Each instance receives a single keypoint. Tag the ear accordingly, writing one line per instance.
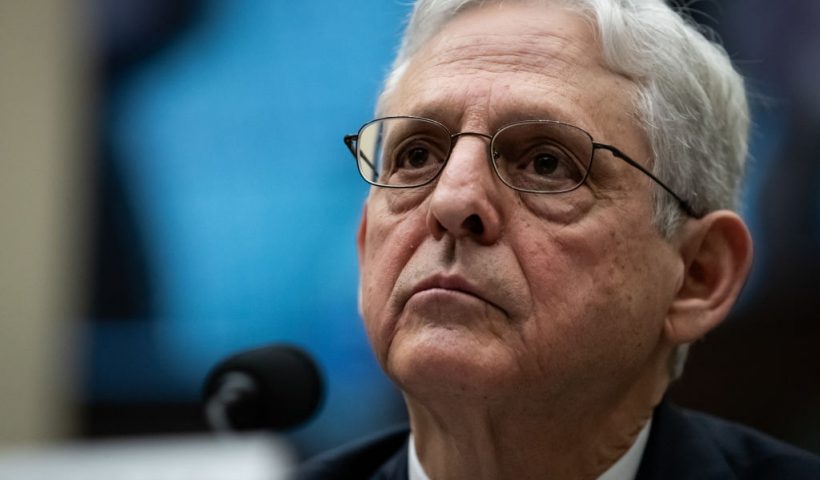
(717, 254)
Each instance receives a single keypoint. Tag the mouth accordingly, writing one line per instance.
(453, 283)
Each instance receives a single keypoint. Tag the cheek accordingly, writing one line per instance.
(594, 301)
(390, 241)
(560, 209)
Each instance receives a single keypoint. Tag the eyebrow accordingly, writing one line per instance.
(537, 112)
(443, 113)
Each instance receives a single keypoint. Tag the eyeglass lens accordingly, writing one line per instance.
(535, 156)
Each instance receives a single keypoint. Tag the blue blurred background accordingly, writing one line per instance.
(227, 207)
(229, 204)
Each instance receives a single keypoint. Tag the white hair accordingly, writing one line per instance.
(689, 99)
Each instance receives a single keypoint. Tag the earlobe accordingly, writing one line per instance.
(717, 254)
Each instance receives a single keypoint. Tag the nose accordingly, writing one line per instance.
(465, 199)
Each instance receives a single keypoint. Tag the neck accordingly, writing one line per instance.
(565, 438)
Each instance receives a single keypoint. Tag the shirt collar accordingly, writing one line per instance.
(415, 469)
(626, 468)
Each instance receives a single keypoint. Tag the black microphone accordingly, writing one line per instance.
(275, 387)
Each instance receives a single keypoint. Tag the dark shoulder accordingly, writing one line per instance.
(754, 455)
(362, 459)
(686, 444)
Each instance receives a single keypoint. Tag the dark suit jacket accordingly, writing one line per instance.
(682, 445)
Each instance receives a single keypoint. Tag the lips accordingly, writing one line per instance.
(454, 283)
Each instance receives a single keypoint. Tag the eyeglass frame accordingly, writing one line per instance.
(352, 143)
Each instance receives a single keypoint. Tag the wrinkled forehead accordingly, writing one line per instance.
(542, 28)
(512, 56)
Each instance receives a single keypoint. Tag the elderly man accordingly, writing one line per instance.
(550, 225)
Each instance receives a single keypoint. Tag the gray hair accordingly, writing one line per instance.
(689, 99)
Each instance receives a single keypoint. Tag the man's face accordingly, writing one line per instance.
(472, 289)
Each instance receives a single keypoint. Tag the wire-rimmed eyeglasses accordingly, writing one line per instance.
(533, 156)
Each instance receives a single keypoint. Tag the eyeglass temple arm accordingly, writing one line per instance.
(350, 141)
(684, 205)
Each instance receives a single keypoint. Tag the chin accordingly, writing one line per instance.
(449, 361)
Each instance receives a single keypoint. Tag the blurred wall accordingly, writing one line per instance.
(43, 116)
(228, 204)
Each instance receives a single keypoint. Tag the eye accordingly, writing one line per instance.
(543, 167)
(545, 164)
(418, 153)
(415, 157)
(551, 164)
(415, 160)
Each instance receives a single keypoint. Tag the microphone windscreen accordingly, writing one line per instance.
(286, 387)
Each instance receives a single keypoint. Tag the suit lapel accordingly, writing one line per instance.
(395, 468)
(679, 449)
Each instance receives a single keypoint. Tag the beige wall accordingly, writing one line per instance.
(43, 213)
